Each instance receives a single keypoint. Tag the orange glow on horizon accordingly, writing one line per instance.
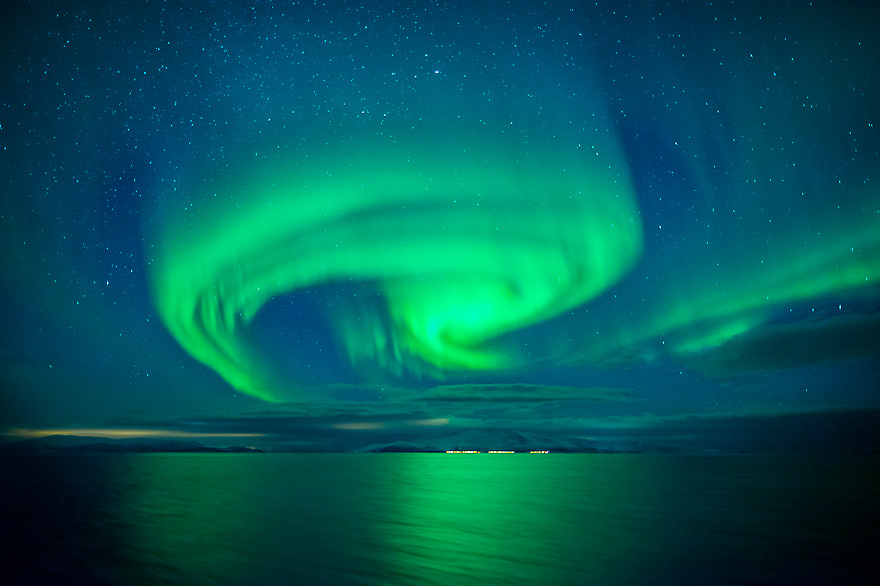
(21, 432)
(359, 426)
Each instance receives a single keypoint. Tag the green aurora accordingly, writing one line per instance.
(458, 244)
(464, 241)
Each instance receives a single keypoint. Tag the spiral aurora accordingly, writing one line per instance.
(464, 240)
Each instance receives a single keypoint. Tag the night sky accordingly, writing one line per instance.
(334, 224)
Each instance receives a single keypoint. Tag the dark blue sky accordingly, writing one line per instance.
(623, 221)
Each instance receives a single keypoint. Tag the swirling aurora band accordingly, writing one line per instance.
(464, 241)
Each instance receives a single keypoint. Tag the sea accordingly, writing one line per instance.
(439, 519)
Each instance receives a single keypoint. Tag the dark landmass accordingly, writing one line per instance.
(76, 444)
(517, 441)
(481, 440)
(307, 449)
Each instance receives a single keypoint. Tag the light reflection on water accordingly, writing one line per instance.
(440, 519)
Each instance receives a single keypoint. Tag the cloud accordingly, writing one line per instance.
(353, 425)
(778, 346)
(521, 393)
(361, 410)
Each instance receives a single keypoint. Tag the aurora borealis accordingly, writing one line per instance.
(464, 241)
(309, 219)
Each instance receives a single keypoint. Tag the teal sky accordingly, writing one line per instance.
(332, 224)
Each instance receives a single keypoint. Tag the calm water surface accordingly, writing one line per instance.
(439, 519)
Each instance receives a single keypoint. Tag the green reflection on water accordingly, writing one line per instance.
(191, 515)
(378, 519)
(529, 518)
(375, 518)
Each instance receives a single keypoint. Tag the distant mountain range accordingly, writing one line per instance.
(90, 444)
(517, 441)
(482, 440)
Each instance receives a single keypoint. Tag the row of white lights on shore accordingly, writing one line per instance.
(494, 452)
